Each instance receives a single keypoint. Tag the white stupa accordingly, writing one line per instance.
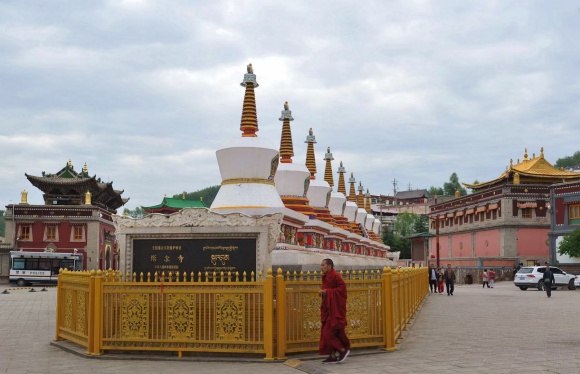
(248, 164)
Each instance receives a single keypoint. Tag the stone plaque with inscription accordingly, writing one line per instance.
(194, 255)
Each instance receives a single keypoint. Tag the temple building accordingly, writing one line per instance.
(503, 221)
(565, 218)
(171, 205)
(76, 217)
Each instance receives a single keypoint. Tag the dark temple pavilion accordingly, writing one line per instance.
(76, 216)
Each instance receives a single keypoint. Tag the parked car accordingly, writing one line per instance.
(577, 281)
(531, 276)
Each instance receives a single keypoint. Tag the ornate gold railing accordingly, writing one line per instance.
(270, 316)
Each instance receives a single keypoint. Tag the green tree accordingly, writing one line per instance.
(135, 213)
(208, 194)
(435, 191)
(406, 224)
(421, 225)
(570, 244)
(453, 185)
(2, 223)
(397, 243)
(568, 161)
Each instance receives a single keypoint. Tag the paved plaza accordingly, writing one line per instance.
(500, 330)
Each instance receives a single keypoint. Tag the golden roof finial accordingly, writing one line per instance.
(352, 190)
(310, 161)
(533, 156)
(457, 193)
(249, 123)
(328, 170)
(201, 198)
(88, 196)
(542, 152)
(286, 146)
(24, 197)
(183, 195)
(85, 168)
(511, 162)
(69, 163)
(526, 154)
(518, 161)
(341, 186)
(164, 195)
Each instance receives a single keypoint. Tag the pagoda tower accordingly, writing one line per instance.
(248, 164)
(337, 202)
(370, 219)
(361, 213)
(351, 208)
(292, 180)
(319, 191)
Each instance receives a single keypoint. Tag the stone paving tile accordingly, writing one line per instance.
(500, 330)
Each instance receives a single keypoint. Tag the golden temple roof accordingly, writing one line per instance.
(529, 170)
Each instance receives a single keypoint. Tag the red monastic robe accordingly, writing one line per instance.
(333, 313)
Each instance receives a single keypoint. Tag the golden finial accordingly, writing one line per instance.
(511, 162)
(85, 168)
(69, 163)
(518, 161)
(24, 197)
(164, 195)
(88, 198)
(286, 146)
(525, 154)
(328, 170)
(249, 122)
(457, 193)
(533, 156)
(542, 152)
(310, 161)
(183, 195)
(201, 198)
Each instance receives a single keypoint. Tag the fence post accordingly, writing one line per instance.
(269, 316)
(388, 316)
(91, 324)
(97, 311)
(280, 315)
(59, 302)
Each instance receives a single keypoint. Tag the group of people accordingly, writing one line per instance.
(488, 278)
(438, 278)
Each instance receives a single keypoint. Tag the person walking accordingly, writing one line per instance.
(432, 279)
(548, 280)
(491, 276)
(333, 339)
(449, 276)
(440, 281)
(485, 278)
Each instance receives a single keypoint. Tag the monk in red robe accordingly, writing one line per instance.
(333, 339)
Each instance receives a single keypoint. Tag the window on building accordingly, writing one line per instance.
(494, 214)
(51, 232)
(25, 232)
(78, 233)
(526, 212)
(574, 214)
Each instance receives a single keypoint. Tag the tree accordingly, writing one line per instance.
(135, 213)
(453, 185)
(421, 225)
(406, 224)
(207, 194)
(435, 191)
(570, 244)
(568, 161)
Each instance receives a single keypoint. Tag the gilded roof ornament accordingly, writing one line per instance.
(69, 163)
(85, 168)
(525, 154)
(542, 152)
(24, 197)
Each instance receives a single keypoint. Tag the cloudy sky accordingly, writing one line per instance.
(146, 91)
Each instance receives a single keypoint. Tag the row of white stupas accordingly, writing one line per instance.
(318, 222)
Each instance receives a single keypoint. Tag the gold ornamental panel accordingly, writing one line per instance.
(311, 324)
(81, 313)
(358, 313)
(134, 316)
(181, 312)
(230, 315)
(68, 309)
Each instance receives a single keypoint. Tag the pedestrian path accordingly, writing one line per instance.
(499, 330)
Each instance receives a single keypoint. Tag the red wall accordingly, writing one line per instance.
(532, 242)
(491, 249)
(461, 245)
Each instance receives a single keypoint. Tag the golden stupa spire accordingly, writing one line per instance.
(328, 170)
(249, 123)
(352, 192)
(368, 202)
(341, 186)
(542, 152)
(310, 161)
(360, 201)
(69, 163)
(526, 154)
(85, 168)
(286, 147)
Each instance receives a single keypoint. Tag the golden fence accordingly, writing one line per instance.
(263, 315)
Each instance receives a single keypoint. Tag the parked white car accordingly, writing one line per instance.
(577, 281)
(531, 276)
